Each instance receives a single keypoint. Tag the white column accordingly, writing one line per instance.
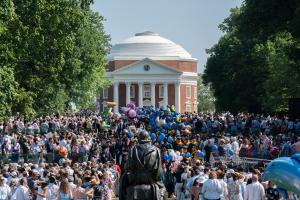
(165, 95)
(141, 94)
(116, 96)
(128, 93)
(177, 97)
(153, 94)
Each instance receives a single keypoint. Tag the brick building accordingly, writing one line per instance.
(150, 70)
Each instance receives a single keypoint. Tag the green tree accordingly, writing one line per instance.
(59, 49)
(12, 97)
(206, 100)
(284, 75)
(255, 66)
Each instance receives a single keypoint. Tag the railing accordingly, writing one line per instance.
(54, 157)
(244, 162)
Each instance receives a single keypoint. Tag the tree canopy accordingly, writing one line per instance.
(255, 66)
(206, 100)
(52, 53)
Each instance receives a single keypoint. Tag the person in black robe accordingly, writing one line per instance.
(142, 177)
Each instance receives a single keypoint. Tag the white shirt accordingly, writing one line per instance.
(40, 190)
(254, 191)
(191, 181)
(235, 147)
(5, 192)
(52, 192)
(22, 193)
(212, 189)
(63, 142)
(224, 189)
(73, 186)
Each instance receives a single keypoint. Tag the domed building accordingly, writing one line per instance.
(150, 70)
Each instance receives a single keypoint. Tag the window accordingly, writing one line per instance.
(105, 93)
(161, 104)
(161, 91)
(132, 91)
(147, 91)
(195, 92)
(188, 107)
(188, 91)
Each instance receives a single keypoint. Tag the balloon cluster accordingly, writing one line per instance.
(107, 113)
(161, 137)
(200, 154)
(131, 111)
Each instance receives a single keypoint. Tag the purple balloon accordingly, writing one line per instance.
(131, 114)
(131, 106)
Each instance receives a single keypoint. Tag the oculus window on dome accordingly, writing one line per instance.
(146, 67)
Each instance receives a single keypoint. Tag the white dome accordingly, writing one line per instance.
(148, 45)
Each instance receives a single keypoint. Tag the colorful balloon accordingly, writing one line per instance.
(131, 106)
(170, 139)
(161, 137)
(63, 152)
(187, 155)
(214, 147)
(230, 153)
(274, 151)
(131, 114)
(200, 154)
(153, 136)
(284, 173)
(166, 157)
(172, 108)
(130, 134)
(117, 116)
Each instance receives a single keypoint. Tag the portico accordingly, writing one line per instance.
(152, 97)
(154, 83)
(150, 70)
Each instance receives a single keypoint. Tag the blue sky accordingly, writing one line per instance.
(191, 23)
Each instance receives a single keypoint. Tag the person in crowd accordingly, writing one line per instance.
(224, 193)
(22, 192)
(255, 190)
(52, 189)
(42, 191)
(79, 192)
(234, 188)
(65, 190)
(95, 189)
(212, 188)
(272, 193)
(195, 190)
(107, 186)
(5, 191)
(96, 145)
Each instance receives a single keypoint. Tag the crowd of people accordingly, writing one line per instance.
(82, 156)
